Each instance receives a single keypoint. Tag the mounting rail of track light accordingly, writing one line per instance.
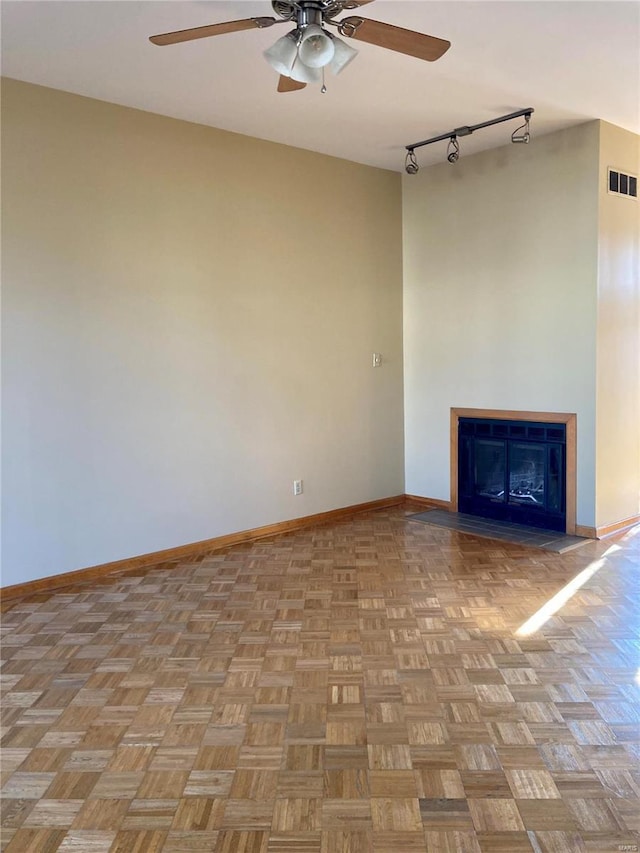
(520, 134)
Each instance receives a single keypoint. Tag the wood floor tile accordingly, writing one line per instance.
(394, 841)
(348, 783)
(345, 841)
(79, 841)
(532, 783)
(190, 842)
(254, 784)
(346, 814)
(14, 812)
(72, 786)
(242, 841)
(297, 814)
(22, 786)
(356, 687)
(395, 813)
(308, 842)
(483, 784)
(443, 814)
(305, 784)
(497, 815)
(53, 813)
(251, 814)
(557, 842)
(504, 842)
(208, 783)
(101, 814)
(451, 842)
(146, 841)
(36, 841)
(546, 815)
(593, 815)
(389, 757)
(198, 814)
(393, 783)
(150, 814)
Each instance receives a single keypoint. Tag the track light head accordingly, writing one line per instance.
(453, 150)
(522, 133)
(410, 163)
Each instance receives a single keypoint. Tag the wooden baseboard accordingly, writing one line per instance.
(193, 549)
(219, 543)
(608, 529)
(433, 503)
(617, 527)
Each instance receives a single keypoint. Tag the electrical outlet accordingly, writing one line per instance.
(297, 487)
(377, 359)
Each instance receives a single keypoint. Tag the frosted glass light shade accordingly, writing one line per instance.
(316, 48)
(343, 54)
(282, 55)
(303, 74)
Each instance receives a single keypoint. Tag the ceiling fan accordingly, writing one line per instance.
(301, 56)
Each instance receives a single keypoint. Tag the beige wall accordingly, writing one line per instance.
(618, 336)
(500, 284)
(189, 317)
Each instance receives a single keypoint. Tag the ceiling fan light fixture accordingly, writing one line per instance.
(316, 47)
(343, 54)
(282, 55)
(303, 54)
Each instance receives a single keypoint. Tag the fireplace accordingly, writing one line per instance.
(513, 470)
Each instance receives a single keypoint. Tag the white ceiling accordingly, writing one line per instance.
(572, 61)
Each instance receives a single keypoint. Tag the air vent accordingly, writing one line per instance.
(620, 183)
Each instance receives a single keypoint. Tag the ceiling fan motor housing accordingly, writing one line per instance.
(306, 12)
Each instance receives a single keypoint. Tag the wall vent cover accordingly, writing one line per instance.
(621, 183)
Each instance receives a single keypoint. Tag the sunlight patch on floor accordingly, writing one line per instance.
(540, 617)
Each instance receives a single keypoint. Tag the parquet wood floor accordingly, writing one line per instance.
(358, 687)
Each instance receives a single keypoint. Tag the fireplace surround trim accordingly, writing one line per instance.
(567, 418)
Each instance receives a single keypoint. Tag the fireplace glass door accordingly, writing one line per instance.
(491, 469)
(512, 470)
(527, 474)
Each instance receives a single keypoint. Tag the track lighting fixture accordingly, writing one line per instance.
(453, 150)
(521, 134)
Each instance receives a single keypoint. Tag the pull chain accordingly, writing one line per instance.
(324, 88)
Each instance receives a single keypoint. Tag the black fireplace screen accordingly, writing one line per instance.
(512, 470)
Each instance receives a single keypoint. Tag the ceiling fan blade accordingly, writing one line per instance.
(394, 38)
(212, 30)
(287, 84)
